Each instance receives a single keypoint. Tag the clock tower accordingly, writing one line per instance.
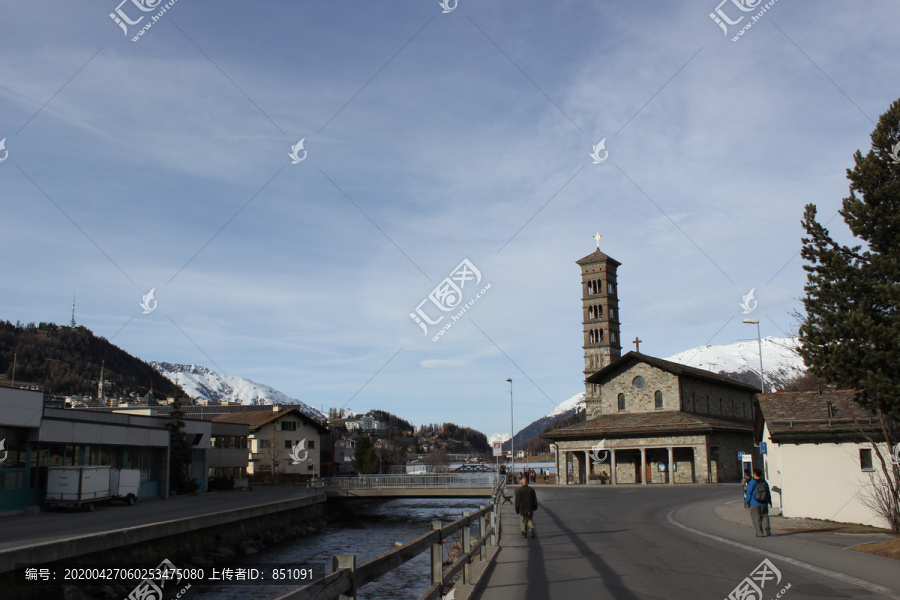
(600, 319)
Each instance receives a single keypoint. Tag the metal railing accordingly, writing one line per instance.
(414, 480)
(347, 577)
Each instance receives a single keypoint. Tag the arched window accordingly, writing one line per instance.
(599, 335)
(621, 401)
(599, 312)
(591, 336)
(657, 399)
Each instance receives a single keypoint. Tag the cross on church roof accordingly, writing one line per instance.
(597, 239)
(637, 344)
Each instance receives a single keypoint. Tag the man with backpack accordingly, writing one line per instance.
(758, 499)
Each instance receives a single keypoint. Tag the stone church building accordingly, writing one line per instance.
(648, 420)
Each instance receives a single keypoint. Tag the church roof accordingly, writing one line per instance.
(615, 367)
(597, 256)
(647, 424)
(794, 417)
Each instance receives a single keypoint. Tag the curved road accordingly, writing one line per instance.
(641, 542)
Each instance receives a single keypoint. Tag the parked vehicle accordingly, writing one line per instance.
(77, 487)
(85, 487)
(124, 485)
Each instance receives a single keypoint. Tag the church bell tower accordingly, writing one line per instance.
(600, 319)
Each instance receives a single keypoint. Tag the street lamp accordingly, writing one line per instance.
(762, 378)
(512, 433)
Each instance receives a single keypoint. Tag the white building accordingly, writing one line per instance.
(285, 442)
(365, 423)
(817, 459)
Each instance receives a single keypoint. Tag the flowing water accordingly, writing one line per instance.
(369, 533)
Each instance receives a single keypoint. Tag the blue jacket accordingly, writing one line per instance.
(751, 491)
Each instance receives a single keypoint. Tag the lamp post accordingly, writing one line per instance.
(762, 378)
(512, 433)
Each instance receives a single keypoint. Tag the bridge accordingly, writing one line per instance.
(415, 485)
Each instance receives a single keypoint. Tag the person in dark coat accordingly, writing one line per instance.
(759, 509)
(526, 503)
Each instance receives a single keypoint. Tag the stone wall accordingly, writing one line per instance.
(640, 400)
(727, 446)
(706, 397)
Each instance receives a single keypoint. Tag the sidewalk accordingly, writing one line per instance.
(735, 512)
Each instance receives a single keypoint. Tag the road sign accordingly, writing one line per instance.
(498, 448)
(762, 448)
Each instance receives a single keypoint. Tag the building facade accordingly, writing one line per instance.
(600, 316)
(820, 460)
(648, 420)
(286, 442)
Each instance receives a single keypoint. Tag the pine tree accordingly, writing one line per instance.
(180, 452)
(365, 459)
(851, 333)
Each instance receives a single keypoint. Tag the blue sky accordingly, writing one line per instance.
(431, 138)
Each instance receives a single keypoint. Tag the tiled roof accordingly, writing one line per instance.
(259, 418)
(805, 416)
(645, 424)
(598, 256)
(678, 369)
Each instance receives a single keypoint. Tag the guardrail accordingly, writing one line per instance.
(347, 577)
(414, 480)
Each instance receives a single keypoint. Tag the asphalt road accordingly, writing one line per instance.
(634, 542)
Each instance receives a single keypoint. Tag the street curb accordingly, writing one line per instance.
(872, 587)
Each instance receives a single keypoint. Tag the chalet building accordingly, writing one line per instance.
(285, 442)
(648, 420)
(818, 460)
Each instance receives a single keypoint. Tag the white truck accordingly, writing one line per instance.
(84, 487)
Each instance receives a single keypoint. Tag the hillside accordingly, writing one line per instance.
(67, 361)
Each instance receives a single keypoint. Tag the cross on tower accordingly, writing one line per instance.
(597, 239)
(637, 344)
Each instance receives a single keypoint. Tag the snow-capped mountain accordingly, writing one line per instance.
(498, 437)
(202, 383)
(740, 360)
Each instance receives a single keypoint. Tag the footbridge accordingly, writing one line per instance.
(413, 485)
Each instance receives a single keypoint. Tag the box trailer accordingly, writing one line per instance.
(124, 484)
(77, 487)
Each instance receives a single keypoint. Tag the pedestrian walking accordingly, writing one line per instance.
(526, 503)
(758, 499)
(746, 481)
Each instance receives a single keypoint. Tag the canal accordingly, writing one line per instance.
(368, 533)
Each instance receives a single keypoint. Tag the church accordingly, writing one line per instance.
(648, 420)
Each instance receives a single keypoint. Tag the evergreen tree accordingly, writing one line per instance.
(851, 333)
(365, 459)
(179, 451)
